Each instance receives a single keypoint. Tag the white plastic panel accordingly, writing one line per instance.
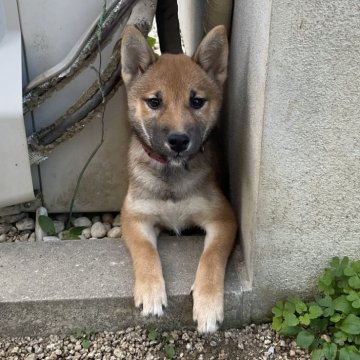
(50, 29)
(15, 176)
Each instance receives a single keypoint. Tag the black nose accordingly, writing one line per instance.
(178, 142)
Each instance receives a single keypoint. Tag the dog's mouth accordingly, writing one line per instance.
(175, 148)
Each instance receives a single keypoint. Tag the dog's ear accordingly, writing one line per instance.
(212, 54)
(136, 54)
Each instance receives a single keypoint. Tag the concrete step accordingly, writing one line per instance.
(57, 287)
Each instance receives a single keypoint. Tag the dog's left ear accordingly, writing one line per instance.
(212, 54)
(136, 54)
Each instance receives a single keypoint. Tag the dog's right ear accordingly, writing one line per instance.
(136, 54)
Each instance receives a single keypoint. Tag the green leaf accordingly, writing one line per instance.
(336, 318)
(318, 354)
(276, 323)
(326, 301)
(335, 262)
(290, 320)
(304, 319)
(291, 331)
(152, 333)
(277, 312)
(351, 325)
(342, 266)
(304, 339)
(354, 282)
(86, 343)
(68, 236)
(300, 306)
(327, 278)
(169, 351)
(349, 271)
(349, 353)
(330, 351)
(340, 338)
(315, 311)
(356, 304)
(46, 225)
(319, 325)
(356, 266)
(151, 41)
(77, 333)
(76, 231)
(342, 304)
(353, 296)
(289, 307)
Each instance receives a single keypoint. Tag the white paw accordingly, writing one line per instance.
(151, 295)
(208, 310)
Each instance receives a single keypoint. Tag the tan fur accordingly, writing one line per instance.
(182, 192)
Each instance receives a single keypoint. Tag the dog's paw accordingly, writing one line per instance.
(151, 294)
(208, 310)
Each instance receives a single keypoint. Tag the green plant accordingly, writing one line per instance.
(329, 326)
(73, 233)
(83, 335)
(167, 341)
(47, 225)
(151, 41)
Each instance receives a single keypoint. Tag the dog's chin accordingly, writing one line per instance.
(178, 161)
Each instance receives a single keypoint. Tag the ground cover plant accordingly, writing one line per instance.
(329, 325)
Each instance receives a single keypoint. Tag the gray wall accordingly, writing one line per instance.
(296, 124)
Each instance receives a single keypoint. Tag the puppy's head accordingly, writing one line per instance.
(174, 100)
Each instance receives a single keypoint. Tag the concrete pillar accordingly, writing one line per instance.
(294, 140)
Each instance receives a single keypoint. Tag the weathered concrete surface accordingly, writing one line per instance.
(57, 287)
(244, 109)
(298, 129)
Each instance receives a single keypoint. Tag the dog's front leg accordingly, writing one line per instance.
(149, 289)
(208, 288)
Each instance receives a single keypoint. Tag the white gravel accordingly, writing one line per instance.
(250, 343)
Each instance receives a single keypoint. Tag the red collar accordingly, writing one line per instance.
(153, 155)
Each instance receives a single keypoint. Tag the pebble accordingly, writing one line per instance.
(115, 232)
(95, 219)
(24, 236)
(86, 233)
(50, 238)
(59, 226)
(107, 218)
(133, 343)
(62, 217)
(118, 352)
(82, 221)
(4, 228)
(25, 224)
(98, 230)
(107, 226)
(9, 219)
(2, 238)
(116, 221)
(32, 237)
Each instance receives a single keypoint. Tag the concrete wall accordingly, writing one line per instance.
(298, 132)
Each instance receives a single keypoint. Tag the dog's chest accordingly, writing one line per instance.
(174, 215)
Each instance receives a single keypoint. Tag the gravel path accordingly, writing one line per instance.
(250, 343)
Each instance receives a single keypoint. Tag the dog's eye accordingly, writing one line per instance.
(153, 103)
(197, 102)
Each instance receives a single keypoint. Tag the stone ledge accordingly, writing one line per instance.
(57, 287)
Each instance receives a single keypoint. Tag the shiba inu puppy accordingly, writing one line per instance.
(174, 103)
